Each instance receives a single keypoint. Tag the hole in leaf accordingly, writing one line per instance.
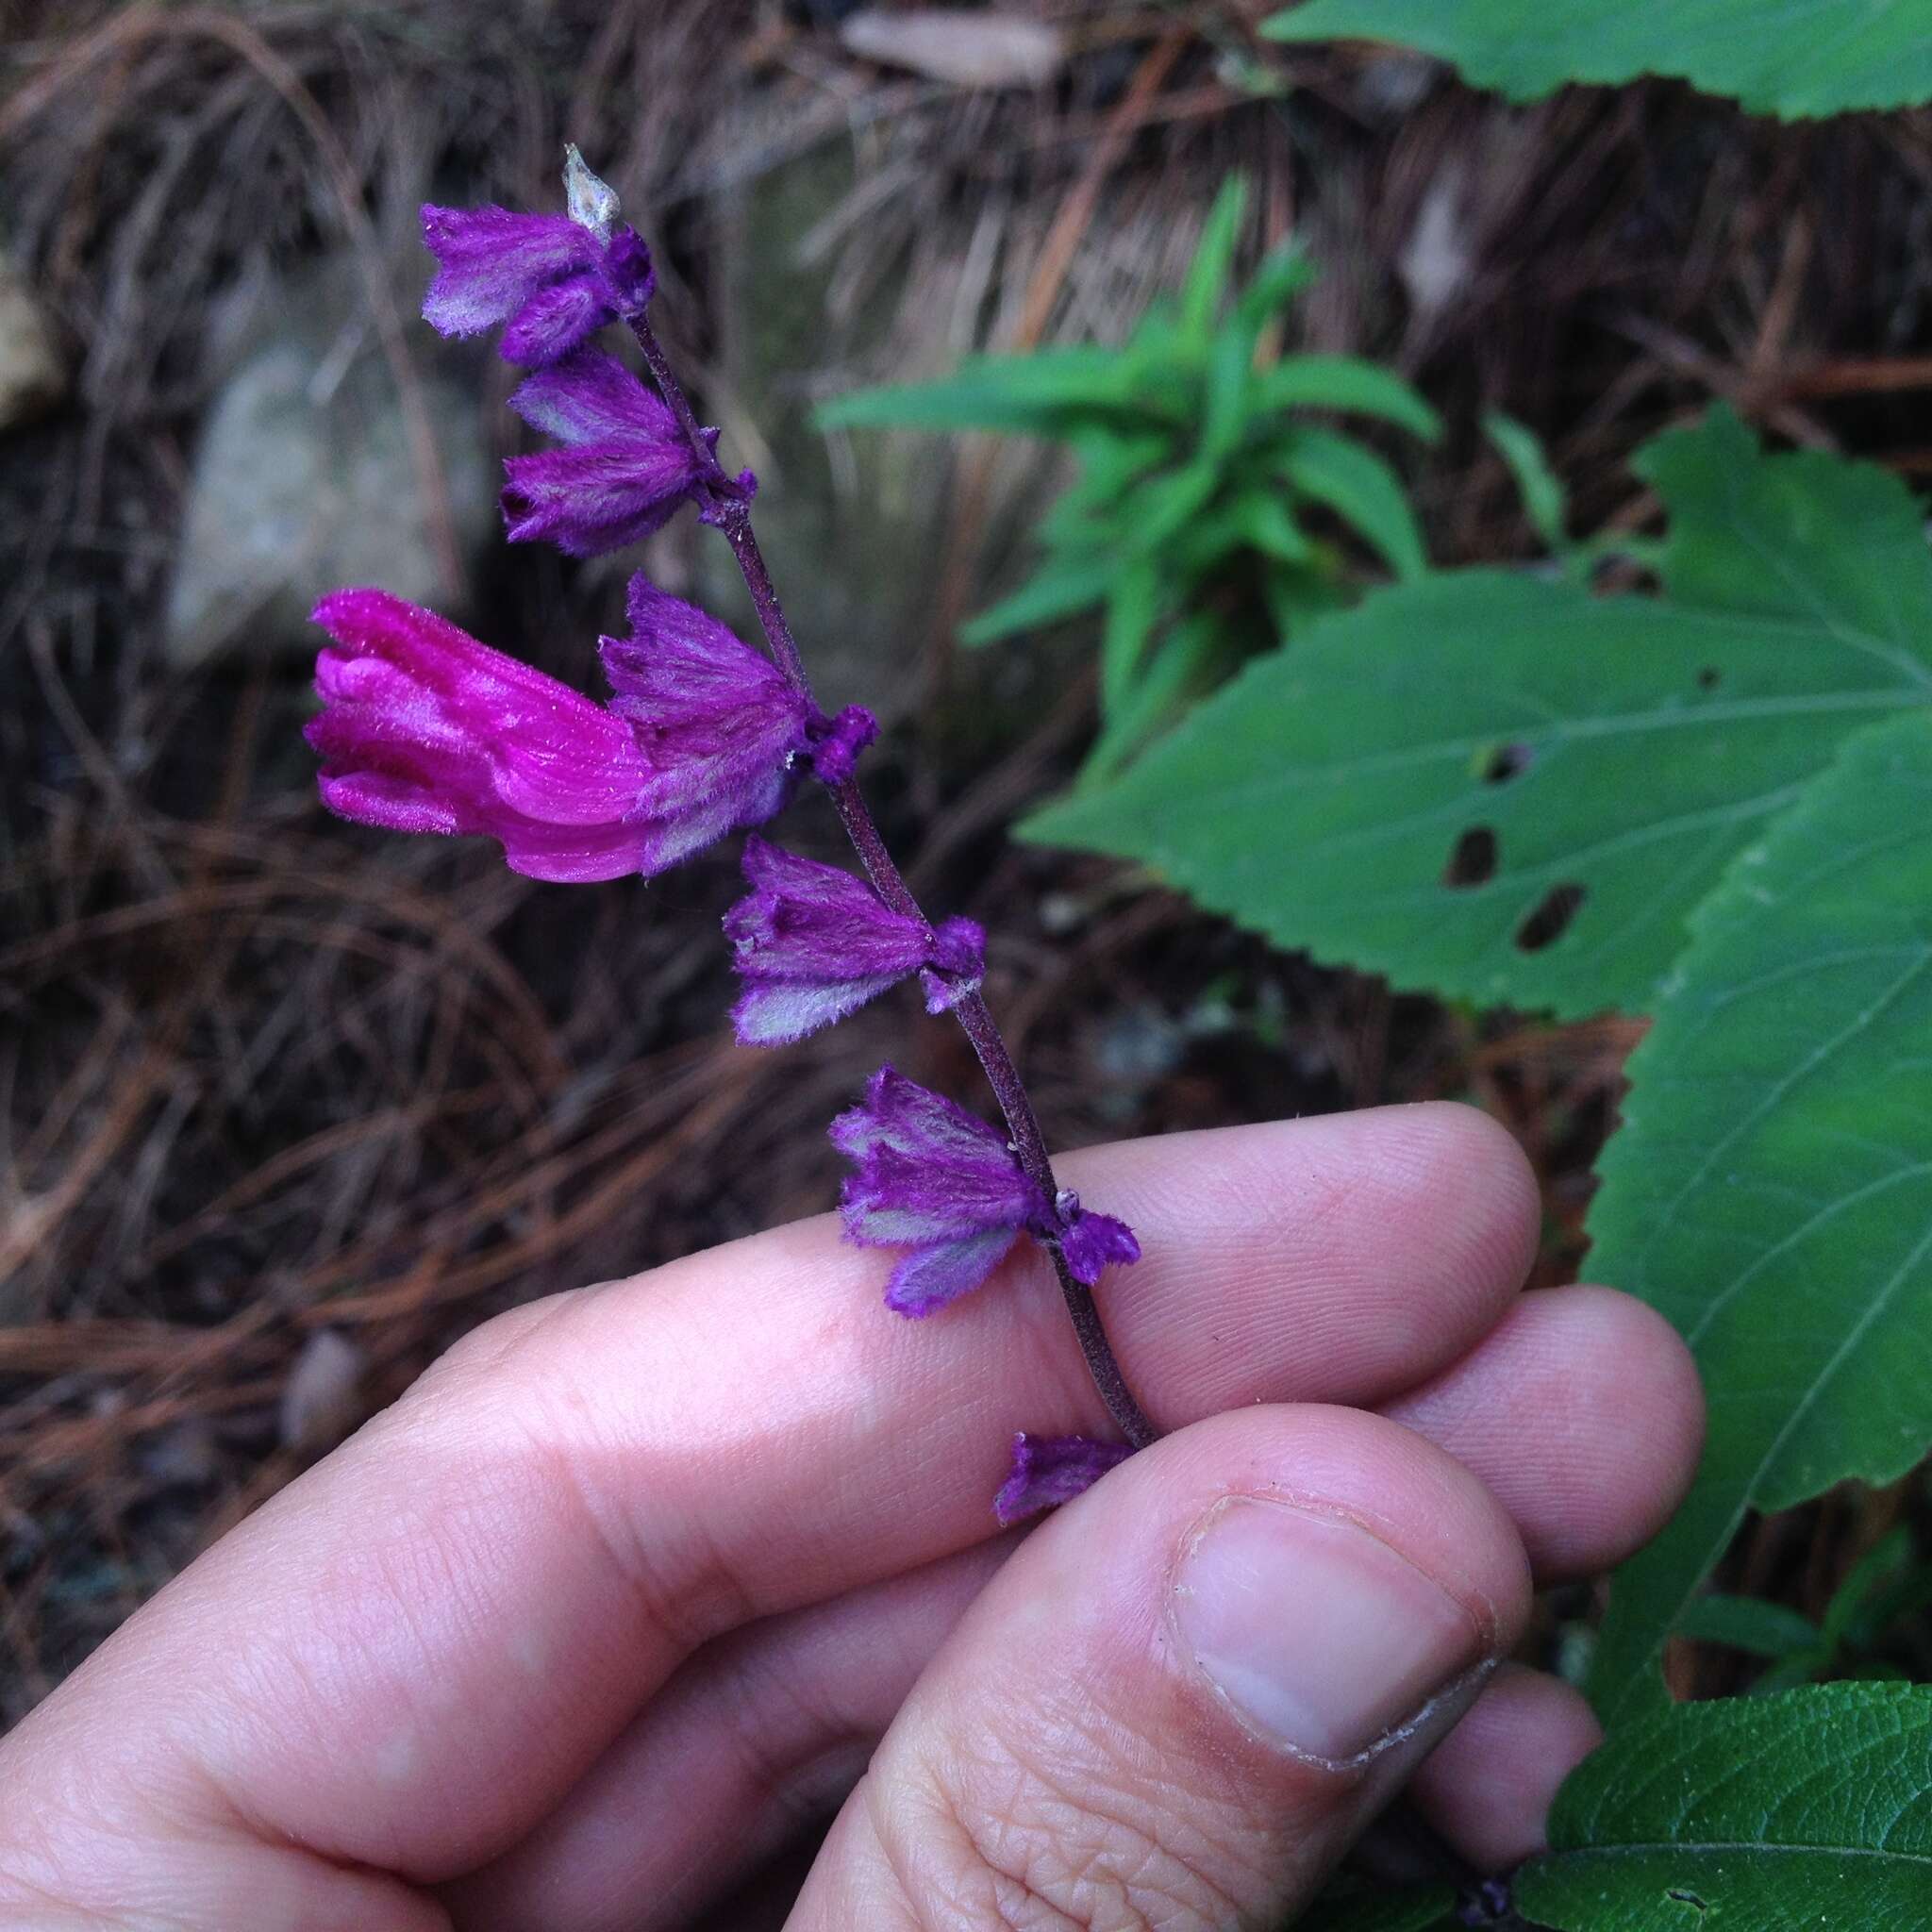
(1551, 920)
(1709, 677)
(1472, 858)
(1506, 762)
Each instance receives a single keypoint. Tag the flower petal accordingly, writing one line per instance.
(424, 729)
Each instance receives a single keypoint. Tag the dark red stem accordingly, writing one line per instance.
(726, 506)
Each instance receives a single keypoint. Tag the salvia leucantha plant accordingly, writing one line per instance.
(424, 729)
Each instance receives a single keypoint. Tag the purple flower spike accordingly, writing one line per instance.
(1051, 1469)
(428, 730)
(813, 943)
(553, 279)
(937, 1179)
(722, 734)
(626, 472)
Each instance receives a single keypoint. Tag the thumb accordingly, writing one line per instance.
(1184, 1697)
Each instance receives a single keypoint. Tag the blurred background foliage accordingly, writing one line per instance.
(288, 1106)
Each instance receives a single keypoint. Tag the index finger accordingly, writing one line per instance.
(409, 1656)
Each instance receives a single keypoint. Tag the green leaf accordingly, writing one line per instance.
(1283, 273)
(1771, 1190)
(1111, 462)
(1849, 1617)
(1543, 498)
(1134, 607)
(1783, 57)
(1046, 392)
(1361, 488)
(1165, 504)
(1065, 587)
(1141, 710)
(1345, 383)
(1298, 595)
(1776, 1814)
(1213, 261)
(1750, 1623)
(1508, 790)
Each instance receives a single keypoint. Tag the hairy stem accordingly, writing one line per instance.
(727, 508)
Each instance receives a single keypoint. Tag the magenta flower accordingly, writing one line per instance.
(625, 473)
(723, 737)
(427, 730)
(938, 1180)
(812, 943)
(554, 279)
(1050, 1470)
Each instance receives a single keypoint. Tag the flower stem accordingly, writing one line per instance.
(731, 511)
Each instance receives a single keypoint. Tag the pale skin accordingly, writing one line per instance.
(637, 1580)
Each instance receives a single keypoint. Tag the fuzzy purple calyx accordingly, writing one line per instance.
(1047, 1471)
(625, 467)
(833, 744)
(424, 729)
(813, 942)
(550, 282)
(1090, 1241)
(723, 737)
(938, 1181)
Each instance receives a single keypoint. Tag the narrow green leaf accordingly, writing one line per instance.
(1064, 588)
(1283, 273)
(1164, 504)
(1227, 401)
(1297, 596)
(1848, 1617)
(1508, 790)
(1146, 706)
(1749, 1624)
(1784, 56)
(1112, 460)
(1544, 501)
(1213, 263)
(1794, 1813)
(1771, 1189)
(1133, 609)
(1046, 392)
(1266, 522)
(1361, 488)
(1346, 383)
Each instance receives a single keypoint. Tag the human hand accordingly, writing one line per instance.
(635, 1580)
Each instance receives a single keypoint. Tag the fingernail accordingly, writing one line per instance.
(1321, 1637)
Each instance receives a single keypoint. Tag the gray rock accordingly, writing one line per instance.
(33, 374)
(853, 555)
(304, 479)
(993, 50)
(322, 1400)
